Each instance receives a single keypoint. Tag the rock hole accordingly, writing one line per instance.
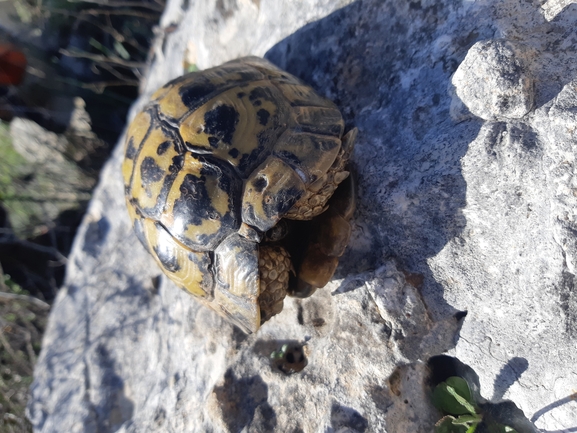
(290, 358)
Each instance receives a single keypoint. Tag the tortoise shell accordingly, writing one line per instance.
(216, 163)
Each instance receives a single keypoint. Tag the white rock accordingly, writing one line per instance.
(494, 80)
(453, 215)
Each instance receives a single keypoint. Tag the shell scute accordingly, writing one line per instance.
(320, 120)
(190, 270)
(240, 130)
(201, 206)
(153, 174)
(185, 94)
(138, 130)
(310, 155)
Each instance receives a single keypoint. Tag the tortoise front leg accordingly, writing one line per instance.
(274, 265)
(328, 241)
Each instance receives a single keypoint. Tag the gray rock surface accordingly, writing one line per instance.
(54, 182)
(455, 213)
(494, 81)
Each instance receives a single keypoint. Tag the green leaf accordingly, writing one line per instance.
(444, 425)
(462, 424)
(278, 354)
(93, 42)
(461, 387)
(461, 401)
(119, 48)
(453, 397)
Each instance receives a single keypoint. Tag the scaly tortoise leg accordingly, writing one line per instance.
(331, 231)
(331, 212)
(329, 239)
(330, 236)
(274, 265)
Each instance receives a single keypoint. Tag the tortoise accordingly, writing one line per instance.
(230, 176)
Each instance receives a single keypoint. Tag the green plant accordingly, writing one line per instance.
(453, 397)
(12, 164)
(290, 358)
(12, 286)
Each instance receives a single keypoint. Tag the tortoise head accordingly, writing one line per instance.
(270, 192)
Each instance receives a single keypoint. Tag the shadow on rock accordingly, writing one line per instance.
(243, 402)
(344, 418)
(545, 31)
(509, 374)
(113, 411)
(411, 191)
(106, 410)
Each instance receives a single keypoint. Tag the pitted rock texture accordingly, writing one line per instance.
(494, 80)
(456, 213)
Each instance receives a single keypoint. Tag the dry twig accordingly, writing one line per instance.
(119, 4)
(25, 298)
(99, 87)
(102, 59)
(126, 12)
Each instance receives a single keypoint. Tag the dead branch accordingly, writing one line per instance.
(96, 12)
(50, 251)
(6, 344)
(101, 86)
(127, 12)
(118, 4)
(102, 59)
(112, 71)
(25, 298)
(29, 348)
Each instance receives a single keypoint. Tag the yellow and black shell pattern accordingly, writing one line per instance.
(214, 161)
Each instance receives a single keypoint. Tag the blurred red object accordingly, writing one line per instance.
(12, 65)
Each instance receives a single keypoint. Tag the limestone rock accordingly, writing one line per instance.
(38, 145)
(494, 80)
(50, 182)
(454, 215)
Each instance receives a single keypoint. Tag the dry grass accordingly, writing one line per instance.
(117, 35)
(22, 322)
